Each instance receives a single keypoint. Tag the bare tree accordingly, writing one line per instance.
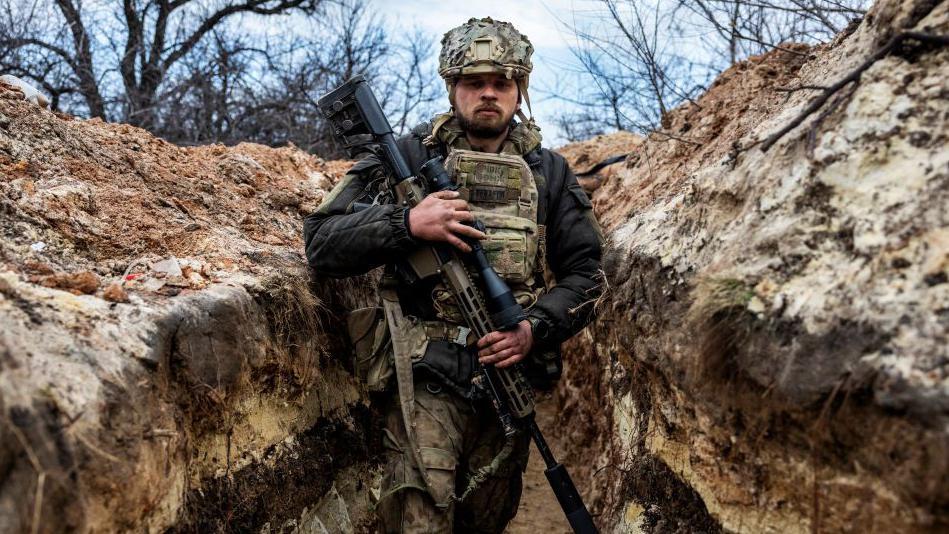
(413, 89)
(189, 71)
(644, 57)
(350, 40)
(42, 61)
(578, 126)
(749, 27)
(148, 36)
(234, 88)
(637, 73)
(206, 99)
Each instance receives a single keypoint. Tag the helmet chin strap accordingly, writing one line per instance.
(450, 85)
(522, 87)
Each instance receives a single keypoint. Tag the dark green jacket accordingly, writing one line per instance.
(341, 243)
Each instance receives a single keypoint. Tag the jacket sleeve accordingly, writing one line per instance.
(574, 248)
(342, 243)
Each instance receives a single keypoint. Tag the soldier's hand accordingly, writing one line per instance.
(506, 348)
(440, 217)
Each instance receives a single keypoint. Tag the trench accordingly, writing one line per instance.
(270, 433)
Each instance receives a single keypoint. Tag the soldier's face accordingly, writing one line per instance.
(485, 104)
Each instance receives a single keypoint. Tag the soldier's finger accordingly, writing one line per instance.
(446, 195)
(459, 204)
(505, 342)
(463, 216)
(499, 348)
(496, 347)
(467, 231)
(489, 339)
(500, 356)
(458, 243)
(510, 361)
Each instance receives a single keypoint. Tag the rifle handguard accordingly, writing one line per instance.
(505, 311)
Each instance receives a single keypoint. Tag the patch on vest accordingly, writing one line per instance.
(492, 195)
(502, 194)
(485, 173)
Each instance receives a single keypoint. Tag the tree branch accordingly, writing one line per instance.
(853, 77)
(251, 6)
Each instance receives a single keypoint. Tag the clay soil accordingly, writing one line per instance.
(584, 155)
(734, 439)
(112, 193)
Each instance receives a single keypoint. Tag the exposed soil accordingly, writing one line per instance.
(165, 359)
(700, 134)
(584, 155)
(290, 477)
(771, 357)
(105, 195)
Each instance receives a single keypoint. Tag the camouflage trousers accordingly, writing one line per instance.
(456, 440)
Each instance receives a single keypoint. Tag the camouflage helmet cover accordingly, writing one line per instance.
(485, 46)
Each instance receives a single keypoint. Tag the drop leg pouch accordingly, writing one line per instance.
(372, 346)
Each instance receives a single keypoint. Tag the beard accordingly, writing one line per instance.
(486, 128)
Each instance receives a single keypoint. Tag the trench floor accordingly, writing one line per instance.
(539, 512)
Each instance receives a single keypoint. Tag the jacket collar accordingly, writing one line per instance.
(523, 138)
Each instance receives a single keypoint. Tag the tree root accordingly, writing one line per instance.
(853, 77)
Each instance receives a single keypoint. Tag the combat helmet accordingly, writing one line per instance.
(485, 46)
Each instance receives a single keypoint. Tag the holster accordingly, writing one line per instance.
(407, 344)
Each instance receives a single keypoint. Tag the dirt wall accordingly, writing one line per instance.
(773, 351)
(166, 362)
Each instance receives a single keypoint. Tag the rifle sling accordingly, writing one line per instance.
(402, 352)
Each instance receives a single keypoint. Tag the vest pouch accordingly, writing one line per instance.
(511, 245)
(372, 345)
(450, 364)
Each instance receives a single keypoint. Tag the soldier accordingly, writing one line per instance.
(448, 466)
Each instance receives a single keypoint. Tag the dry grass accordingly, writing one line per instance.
(294, 316)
